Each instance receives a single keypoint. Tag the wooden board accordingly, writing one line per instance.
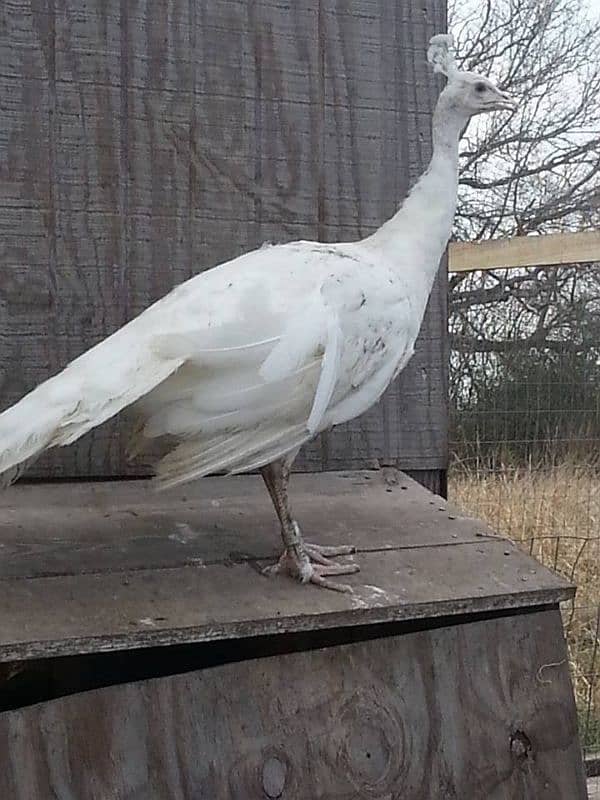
(143, 142)
(482, 710)
(525, 251)
(99, 567)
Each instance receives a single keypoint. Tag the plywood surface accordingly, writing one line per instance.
(143, 142)
(99, 567)
(479, 711)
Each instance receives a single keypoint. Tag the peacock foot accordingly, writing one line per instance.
(312, 563)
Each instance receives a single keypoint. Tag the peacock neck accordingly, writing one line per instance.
(416, 236)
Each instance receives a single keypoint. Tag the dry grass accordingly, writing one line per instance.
(554, 514)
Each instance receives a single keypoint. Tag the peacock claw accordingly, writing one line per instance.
(322, 554)
(311, 563)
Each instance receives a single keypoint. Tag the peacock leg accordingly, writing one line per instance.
(309, 563)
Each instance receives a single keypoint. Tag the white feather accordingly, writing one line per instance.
(236, 380)
(330, 365)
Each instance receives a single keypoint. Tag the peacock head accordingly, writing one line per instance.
(467, 93)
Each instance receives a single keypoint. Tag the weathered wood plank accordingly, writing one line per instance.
(144, 142)
(94, 613)
(525, 251)
(479, 710)
(98, 567)
(99, 528)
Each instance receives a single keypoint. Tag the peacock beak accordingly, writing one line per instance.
(505, 102)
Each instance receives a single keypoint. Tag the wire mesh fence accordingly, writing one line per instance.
(525, 434)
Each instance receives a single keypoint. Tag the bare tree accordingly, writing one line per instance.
(537, 171)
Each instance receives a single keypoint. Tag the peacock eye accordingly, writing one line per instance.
(480, 87)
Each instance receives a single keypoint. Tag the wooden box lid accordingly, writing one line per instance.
(99, 567)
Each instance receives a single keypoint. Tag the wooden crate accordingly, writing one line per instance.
(145, 656)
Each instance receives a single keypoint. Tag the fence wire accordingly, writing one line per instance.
(525, 434)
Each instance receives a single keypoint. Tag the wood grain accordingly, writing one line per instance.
(101, 567)
(482, 710)
(525, 251)
(141, 142)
